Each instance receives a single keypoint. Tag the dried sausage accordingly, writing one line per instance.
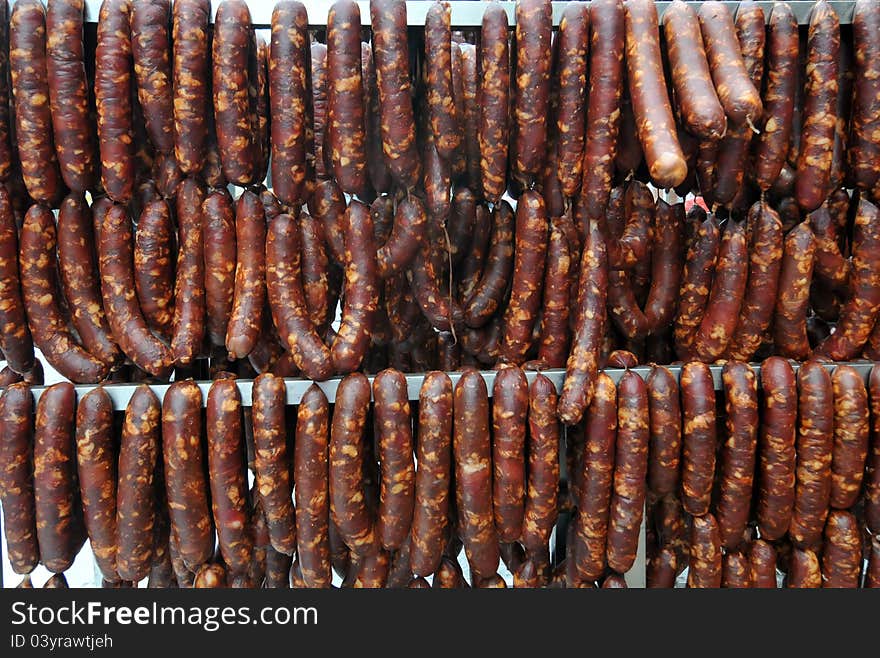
(185, 470)
(554, 325)
(154, 268)
(433, 476)
(55, 499)
(704, 567)
(819, 117)
(489, 291)
(30, 87)
(665, 431)
(842, 551)
(793, 298)
(136, 496)
(361, 295)
(647, 87)
(698, 437)
(815, 438)
(442, 114)
(394, 434)
(573, 36)
(96, 462)
(543, 467)
(191, 72)
(250, 276)
(510, 400)
(630, 468)
(851, 435)
(765, 259)
(41, 299)
(738, 452)
(695, 285)
(68, 93)
(16, 341)
(698, 104)
(115, 263)
(188, 323)
(604, 108)
(666, 266)
(17, 478)
(7, 148)
(230, 81)
(311, 493)
(218, 231)
(864, 146)
(804, 570)
(469, 274)
(494, 127)
(79, 278)
(776, 451)
(872, 471)
(150, 23)
(406, 237)
(271, 464)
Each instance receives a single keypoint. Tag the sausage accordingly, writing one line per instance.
(287, 300)
(377, 170)
(260, 116)
(188, 323)
(152, 68)
(250, 276)
(489, 291)
(191, 72)
(15, 340)
(765, 258)
(471, 270)
(345, 98)
(473, 474)
(776, 464)
(315, 270)
(664, 450)
(439, 308)
(361, 295)
(41, 299)
(7, 148)
(736, 570)
(30, 87)
(573, 37)
(860, 312)
(531, 101)
(762, 564)
(704, 566)
(831, 265)
(725, 299)
(872, 470)
(230, 81)
(185, 470)
(628, 245)
(792, 300)
(736, 91)
(55, 498)
(271, 462)
(17, 477)
(96, 461)
(290, 101)
(697, 101)
(436, 181)
(136, 515)
(851, 436)
(841, 551)
(814, 442)
(647, 88)
(623, 307)
(738, 452)
(583, 361)
(699, 268)
(630, 467)
(154, 269)
(554, 325)
(444, 121)
(543, 466)
(433, 476)
(779, 95)
(394, 434)
(530, 255)
(864, 146)
(698, 437)
(348, 507)
(819, 117)
(319, 108)
(115, 263)
(79, 278)
(872, 573)
(218, 231)
(803, 569)
(661, 569)
(391, 55)
(68, 94)
(311, 492)
(328, 207)
(494, 126)
(604, 108)
(666, 266)
(510, 400)
(226, 468)
(114, 100)
(406, 237)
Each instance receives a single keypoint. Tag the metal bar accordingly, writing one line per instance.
(468, 14)
(120, 394)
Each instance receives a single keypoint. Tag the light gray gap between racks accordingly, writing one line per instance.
(120, 394)
(465, 14)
